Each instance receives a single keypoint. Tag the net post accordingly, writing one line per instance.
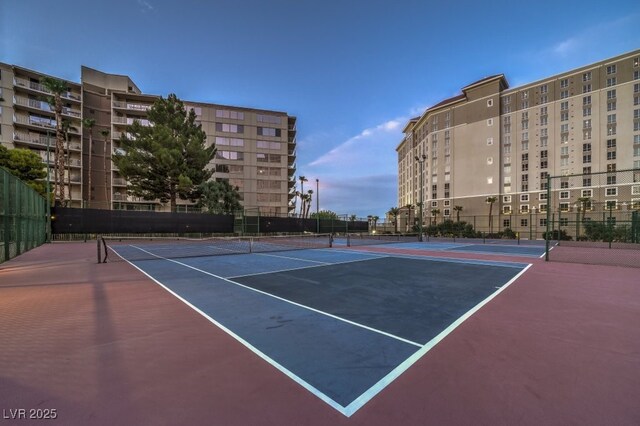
(99, 250)
(348, 240)
(250, 245)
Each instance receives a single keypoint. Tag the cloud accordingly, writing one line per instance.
(372, 148)
(600, 40)
(564, 47)
(145, 6)
(359, 176)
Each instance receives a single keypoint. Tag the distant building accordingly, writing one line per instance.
(256, 148)
(496, 141)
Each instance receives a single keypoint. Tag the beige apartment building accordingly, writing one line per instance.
(496, 141)
(256, 149)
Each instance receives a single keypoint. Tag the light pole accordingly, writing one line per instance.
(420, 161)
(317, 206)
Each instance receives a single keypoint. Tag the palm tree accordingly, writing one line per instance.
(457, 209)
(298, 195)
(375, 221)
(308, 203)
(394, 212)
(352, 218)
(409, 208)
(435, 213)
(89, 123)
(302, 181)
(584, 202)
(490, 201)
(57, 88)
(66, 127)
(105, 135)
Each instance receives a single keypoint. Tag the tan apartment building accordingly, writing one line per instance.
(256, 149)
(496, 141)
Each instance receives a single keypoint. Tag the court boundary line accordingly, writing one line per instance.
(359, 402)
(300, 305)
(301, 267)
(379, 386)
(505, 264)
(313, 390)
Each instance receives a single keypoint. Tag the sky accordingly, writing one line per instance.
(352, 71)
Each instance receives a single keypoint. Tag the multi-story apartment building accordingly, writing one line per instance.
(496, 141)
(256, 149)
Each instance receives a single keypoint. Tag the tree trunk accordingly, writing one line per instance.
(90, 168)
(66, 137)
(106, 176)
(59, 154)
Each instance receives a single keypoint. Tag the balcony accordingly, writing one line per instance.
(131, 106)
(34, 139)
(38, 87)
(119, 182)
(127, 121)
(117, 196)
(35, 121)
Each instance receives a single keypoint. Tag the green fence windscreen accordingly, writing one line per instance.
(23, 217)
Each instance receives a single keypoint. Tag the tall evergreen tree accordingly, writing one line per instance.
(219, 197)
(26, 165)
(168, 159)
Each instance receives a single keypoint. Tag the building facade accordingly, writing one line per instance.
(256, 149)
(497, 142)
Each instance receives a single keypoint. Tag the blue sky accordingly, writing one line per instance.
(352, 71)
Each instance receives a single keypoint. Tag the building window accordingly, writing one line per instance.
(234, 115)
(271, 119)
(229, 155)
(268, 131)
(524, 222)
(229, 128)
(564, 195)
(611, 69)
(489, 102)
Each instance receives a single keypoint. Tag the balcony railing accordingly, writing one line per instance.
(129, 121)
(21, 82)
(28, 120)
(124, 197)
(119, 182)
(33, 138)
(131, 106)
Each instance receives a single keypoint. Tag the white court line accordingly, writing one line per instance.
(384, 333)
(499, 263)
(300, 267)
(292, 258)
(396, 372)
(248, 345)
(359, 402)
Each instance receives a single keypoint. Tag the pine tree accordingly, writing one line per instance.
(167, 159)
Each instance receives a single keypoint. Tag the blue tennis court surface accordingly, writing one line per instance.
(343, 324)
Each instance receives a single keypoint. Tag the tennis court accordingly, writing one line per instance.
(301, 330)
(341, 324)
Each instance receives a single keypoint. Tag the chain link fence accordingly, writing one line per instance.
(23, 215)
(595, 218)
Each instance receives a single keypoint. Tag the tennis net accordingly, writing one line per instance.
(141, 248)
(375, 239)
